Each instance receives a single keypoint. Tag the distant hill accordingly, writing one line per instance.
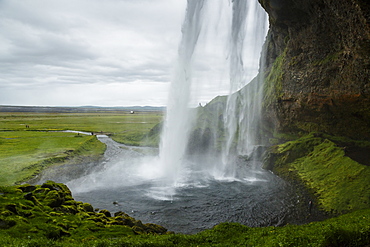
(8, 108)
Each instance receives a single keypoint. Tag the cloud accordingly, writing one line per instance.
(53, 47)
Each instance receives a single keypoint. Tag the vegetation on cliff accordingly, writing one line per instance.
(316, 102)
(317, 67)
(333, 168)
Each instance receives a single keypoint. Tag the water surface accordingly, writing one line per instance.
(128, 180)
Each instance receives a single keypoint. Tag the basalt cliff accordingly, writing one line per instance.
(317, 67)
(316, 105)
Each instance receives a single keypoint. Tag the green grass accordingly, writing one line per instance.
(119, 123)
(349, 230)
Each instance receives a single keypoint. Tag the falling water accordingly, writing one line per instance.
(177, 123)
(241, 115)
(242, 112)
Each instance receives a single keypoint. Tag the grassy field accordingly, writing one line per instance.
(116, 123)
(29, 141)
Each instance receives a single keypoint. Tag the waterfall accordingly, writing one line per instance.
(177, 123)
(242, 112)
(218, 37)
(247, 30)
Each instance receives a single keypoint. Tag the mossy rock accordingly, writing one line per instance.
(49, 211)
(105, 212)
(48, 227)
(27, 187)
(6, 223)
(53, 199)
(12, 208)
(56, 186)
(32, 198)
(86, 207)
(154, 228)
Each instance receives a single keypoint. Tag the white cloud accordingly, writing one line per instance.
(87, 51)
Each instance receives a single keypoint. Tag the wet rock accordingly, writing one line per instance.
(29, 196)
(106, 213)
(27, 188)
(6, 224)
(317, 67)
(12, 208)
(153, 228)
(120, 213)
(126, 221)
(87, 207)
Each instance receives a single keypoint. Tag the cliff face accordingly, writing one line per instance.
(318, 67)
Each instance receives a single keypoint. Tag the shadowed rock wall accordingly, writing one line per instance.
(318, 67)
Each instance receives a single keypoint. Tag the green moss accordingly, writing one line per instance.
(273, 82)
(86, 207)
(56, 216)
(330, 58)
(340, 183)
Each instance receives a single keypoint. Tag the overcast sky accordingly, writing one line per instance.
(91, 52)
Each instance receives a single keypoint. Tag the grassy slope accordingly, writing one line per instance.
(26, 151)
(340, 183)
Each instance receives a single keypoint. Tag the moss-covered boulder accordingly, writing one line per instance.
(49, 211)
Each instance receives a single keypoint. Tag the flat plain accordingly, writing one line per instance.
(33, 141)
